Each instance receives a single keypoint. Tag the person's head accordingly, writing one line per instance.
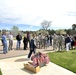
(4, 32)
(24, 35)
(10, 32)
(33, 35)
(18, 33)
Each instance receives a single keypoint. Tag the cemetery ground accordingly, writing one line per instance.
(64, 59)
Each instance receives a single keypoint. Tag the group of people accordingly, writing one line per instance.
(59, 42)
(26, 39)
(8, 45)
(4, 42)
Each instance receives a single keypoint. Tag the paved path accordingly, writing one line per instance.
(15, 53)
(12, 64)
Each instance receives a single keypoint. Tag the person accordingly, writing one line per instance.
(60, 40)
(18, 38)
(67, 42)
(75, 41)
(51, 40)
(2, 41)
(28, 39)
(10, 37)
(32, 47)
(5, 47)
(55, 41)
(25, 42)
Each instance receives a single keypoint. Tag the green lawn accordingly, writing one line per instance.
(0, 72)
(64, 59)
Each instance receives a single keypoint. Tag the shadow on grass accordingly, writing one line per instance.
(60, 51)
(73, 52)
(48, 50)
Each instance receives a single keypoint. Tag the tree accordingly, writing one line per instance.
(60, 31)
(15, 30)
(45, 24)
(42, 31)
(74, 27)
(73, 31)
(51, 31)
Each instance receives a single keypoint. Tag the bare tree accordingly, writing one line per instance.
(45, 24)
(15, 30)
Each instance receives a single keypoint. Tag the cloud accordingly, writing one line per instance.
(33, 12)
(71, 14)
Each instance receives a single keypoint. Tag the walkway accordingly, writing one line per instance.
(12, 64)
(21, 52)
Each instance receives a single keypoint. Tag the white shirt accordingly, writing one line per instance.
(10, 36)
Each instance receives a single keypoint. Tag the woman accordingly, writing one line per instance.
(25, 42)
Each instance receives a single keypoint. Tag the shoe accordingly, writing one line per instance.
(27, 59)
(4, 52)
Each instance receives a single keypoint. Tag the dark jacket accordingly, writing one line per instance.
(32, 45)
(25, 40)
(18, 37)
(67, 40)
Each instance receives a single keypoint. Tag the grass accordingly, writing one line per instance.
(0, 72)
(64, 59)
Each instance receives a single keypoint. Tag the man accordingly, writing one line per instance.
(67, 42)
(10, 37)
(60, 42)
(18, 38)
(5, 47)
(55, 41)
(32, 47)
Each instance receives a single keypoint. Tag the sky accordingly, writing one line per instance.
(29, 14)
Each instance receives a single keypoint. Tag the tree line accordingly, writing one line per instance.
(45, 29)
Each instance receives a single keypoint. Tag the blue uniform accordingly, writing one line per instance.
(5, 48)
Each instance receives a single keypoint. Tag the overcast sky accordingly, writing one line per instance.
(62, 13)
